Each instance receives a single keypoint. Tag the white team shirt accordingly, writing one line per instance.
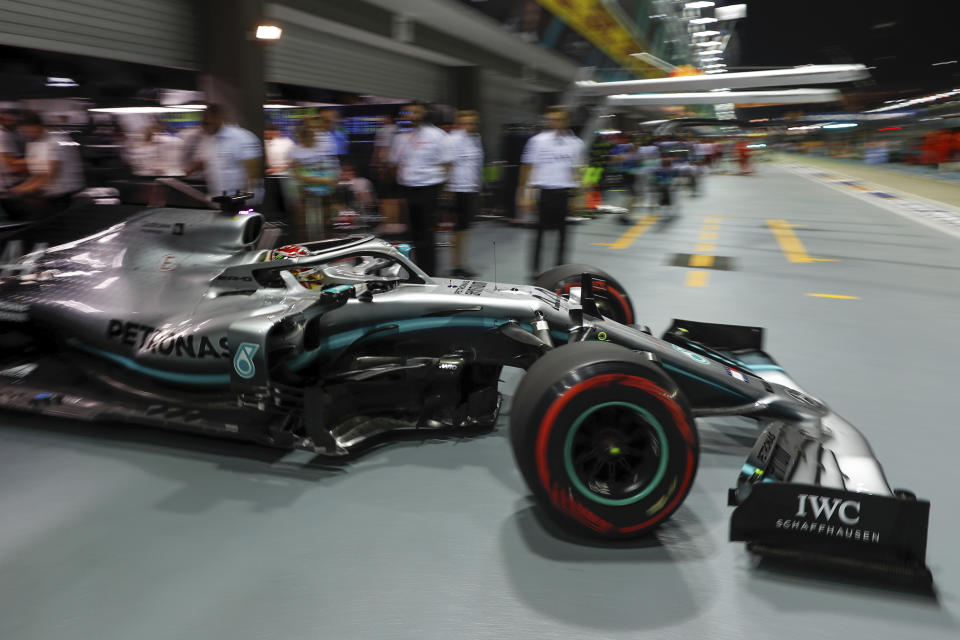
(278, 152)
(554, 158)
(422, 156)
(162, 156)
(223, 156)
(54, 148)
(466, 156)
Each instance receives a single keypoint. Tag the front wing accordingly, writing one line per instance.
(811, 489)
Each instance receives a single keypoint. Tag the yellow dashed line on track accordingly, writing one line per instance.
(701, 260)
(832, 295)
(698, 278)
(630, 235)
(790, 244)
(704, 258)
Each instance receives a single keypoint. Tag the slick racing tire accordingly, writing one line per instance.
(611, 296)
(604, 439)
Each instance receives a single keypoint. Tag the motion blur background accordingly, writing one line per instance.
(833, 224)
(104, 72)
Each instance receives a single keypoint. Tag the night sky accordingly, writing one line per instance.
(901, 39)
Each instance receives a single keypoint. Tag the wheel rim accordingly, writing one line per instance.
(609, 308)
(608, 304)
(616, 453)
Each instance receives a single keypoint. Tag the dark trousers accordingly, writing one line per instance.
(422, 214)
(465, 206)
(551, 214)
(32, 208)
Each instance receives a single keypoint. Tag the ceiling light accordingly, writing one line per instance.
(732, 12)
(908, 103)
(699, 5)
(698, 34)
(703, 20)
(268, 32)
(61, 82)
(130, 110)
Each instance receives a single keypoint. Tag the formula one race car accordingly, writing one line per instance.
(177, 318)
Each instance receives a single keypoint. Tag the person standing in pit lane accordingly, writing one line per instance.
(278, 148)
(230, 155)
(12, 148)
(466, 153)
(315, 167)
(55, 172)
(384, 178)
(422, 158)
(334, 129)
(551, 162)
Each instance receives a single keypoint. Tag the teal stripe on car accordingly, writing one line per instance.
(409, 325)
(193, 379)
(761, 367)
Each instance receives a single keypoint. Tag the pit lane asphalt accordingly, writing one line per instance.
(118, 532)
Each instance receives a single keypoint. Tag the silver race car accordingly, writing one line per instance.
(179, 318)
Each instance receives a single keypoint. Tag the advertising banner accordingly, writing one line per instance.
(592, 20)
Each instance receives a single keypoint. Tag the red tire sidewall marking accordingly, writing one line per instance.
(577, 510)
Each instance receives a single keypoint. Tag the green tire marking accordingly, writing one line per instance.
(658, 476)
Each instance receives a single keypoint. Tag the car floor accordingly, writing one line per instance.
(117, 532)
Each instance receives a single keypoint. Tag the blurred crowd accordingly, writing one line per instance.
(416, 176)
(306, 171)
(930, 148)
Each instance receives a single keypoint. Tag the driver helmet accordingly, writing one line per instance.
(289, 251)
(309, 277)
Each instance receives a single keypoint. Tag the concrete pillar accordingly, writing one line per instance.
(465, 87)
(232, 59)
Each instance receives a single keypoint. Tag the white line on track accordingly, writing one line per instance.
(948, 223)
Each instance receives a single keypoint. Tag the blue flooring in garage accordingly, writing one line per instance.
(114, 532)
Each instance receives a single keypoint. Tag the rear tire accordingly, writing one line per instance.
(611, 296)
(604, 439)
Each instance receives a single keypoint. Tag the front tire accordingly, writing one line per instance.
(604, 439)
(611, 296)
